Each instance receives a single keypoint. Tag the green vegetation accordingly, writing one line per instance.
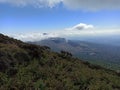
(31, 67)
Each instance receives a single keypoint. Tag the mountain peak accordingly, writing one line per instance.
(57, 40)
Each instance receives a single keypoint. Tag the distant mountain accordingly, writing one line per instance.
(105, 55)
(31, 67)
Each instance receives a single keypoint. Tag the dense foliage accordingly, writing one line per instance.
(31, 67)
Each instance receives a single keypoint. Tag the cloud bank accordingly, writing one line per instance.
(86, 5)
(92, 5)
(78, 29)
(34, 36)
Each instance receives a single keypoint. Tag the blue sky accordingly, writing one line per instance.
(56, 16)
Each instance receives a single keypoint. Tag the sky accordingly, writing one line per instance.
(38, 19)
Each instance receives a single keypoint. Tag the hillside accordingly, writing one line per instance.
(105, 55)
(31, 67)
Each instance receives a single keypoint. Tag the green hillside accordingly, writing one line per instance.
(30, 67)
(107, 56)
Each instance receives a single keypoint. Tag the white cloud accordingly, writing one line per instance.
(75, 30)
(79, 30)
(92, 5)
(81, 26)
(33, 36)
(86, 5)
(65, 33)
(35, 3)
